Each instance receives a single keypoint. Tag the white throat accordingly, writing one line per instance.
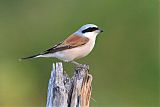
(90, 35)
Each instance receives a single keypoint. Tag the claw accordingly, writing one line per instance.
(78, 65)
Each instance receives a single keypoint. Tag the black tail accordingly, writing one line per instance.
(29, 57)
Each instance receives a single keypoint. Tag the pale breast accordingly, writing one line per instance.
(75, 53)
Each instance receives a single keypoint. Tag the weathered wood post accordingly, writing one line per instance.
(69, 92)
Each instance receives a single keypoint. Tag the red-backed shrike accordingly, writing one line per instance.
(76, 46)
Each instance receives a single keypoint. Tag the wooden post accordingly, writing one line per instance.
(69, 92)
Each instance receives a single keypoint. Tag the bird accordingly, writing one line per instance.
(76, 46)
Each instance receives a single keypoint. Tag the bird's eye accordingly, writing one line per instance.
(90, 29)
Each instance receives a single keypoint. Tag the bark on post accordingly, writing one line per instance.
(69, 92)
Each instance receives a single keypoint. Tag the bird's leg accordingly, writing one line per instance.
(76, 63)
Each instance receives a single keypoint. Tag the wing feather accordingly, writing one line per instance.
(71, 42)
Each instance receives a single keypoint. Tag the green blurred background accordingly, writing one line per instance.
(124, 62)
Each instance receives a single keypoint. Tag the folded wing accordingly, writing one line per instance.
(71, 42)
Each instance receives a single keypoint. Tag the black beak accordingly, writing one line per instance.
(101, 30)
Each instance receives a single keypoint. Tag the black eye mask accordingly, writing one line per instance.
(90, 29)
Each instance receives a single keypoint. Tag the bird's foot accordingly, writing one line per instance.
(78, 65)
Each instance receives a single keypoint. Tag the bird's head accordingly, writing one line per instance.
(89, 30)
